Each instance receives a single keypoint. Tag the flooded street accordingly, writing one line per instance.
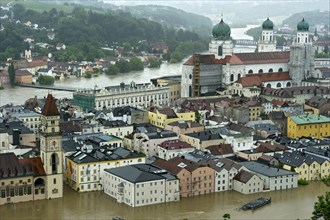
(286, 204)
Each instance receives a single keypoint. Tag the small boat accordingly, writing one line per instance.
(255, 204)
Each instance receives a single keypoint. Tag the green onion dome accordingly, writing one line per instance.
(303, 25)
(221, 31)
(268, 24)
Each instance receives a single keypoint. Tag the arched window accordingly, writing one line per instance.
(306, 40)
(298, 39)
(270, 38)
(280, 70)
(239, 76)
(39, 183)
(232, 77)
(270, 70)
(288, 84)
(260, 71)
(190, 76)
(54, 162)
(220, 51)
(278, 85)
(250, 71)
(269, 85)
(190, 91)
(263, 37)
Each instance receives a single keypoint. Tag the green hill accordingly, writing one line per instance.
(312, 17)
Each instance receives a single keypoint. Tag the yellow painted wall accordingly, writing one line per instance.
(318, 130)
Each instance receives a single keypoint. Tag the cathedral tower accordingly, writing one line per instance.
(221, 43)
(302, 53)
(267, 42)
(51, 148)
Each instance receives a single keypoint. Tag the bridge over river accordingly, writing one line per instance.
(51, 87)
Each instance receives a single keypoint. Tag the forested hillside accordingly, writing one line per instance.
(84, 32)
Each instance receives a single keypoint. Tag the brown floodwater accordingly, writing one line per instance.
(286, 204)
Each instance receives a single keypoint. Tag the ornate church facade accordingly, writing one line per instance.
(203, 74)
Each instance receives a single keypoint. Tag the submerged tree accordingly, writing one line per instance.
(322, 206)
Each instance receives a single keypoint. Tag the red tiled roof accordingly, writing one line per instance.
(206, 59)
(12, 167)
(22, 73)
(277, 102)
(50, 108)
(267, 147)
(261, 57)
(256, 79)
(36, 63)
(175, 144)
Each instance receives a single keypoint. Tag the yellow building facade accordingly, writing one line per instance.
(314, 171)
(83, 171)
(311, 125)
(162, 117)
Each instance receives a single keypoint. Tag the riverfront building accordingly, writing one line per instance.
(309, 167)
(310, 125)
(135, 95)
(273, 178)
(140, 185)
(36, 178)
(85, 169)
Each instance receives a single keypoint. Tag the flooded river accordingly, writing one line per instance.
(19, 95)
(286, 204)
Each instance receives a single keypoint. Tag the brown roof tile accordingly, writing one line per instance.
(261, 57)
(50, 108)
(206, 59)
(243, 176)
(220, 149)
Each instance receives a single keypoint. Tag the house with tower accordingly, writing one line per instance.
(204, 74)
(51, 148)
(36, 178)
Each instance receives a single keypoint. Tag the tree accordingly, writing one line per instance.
(46, 80)
(322, 206)
(11, 72)
(136, 64)
(123, 66)
(112, 70)
(198, 116)
(153, 63)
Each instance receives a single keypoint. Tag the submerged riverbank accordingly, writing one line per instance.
(286, 204)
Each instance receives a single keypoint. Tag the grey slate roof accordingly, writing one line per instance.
(297, 158)
(205, 135)
(103, 155)
(141, 173)
(266, 170)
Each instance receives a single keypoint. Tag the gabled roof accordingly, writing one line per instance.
(205, 59)
(297, 158)
(50, 108)
(174, 145)
(256, 79)
(243, 176)
(317, 101)
(221, 149)
(12, 167)
(22, 73)
(267, 147)
(265, 169)
(260, 57)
